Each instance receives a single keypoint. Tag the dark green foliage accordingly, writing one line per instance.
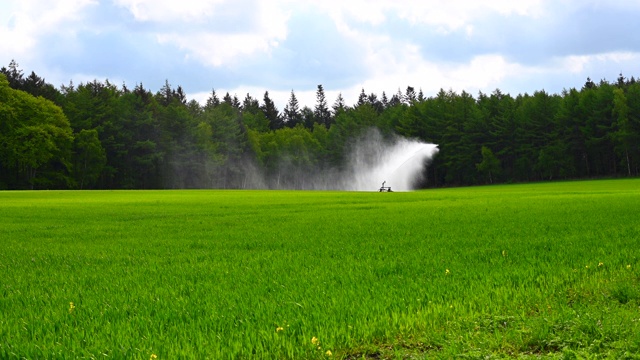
(33, 84)
(490, 165)
(89, 158)
(290, 156)
(228, 135)
(35, 141)
(349, 125)
(162, 140)
(252, 115)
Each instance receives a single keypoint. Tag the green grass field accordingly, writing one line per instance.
(545, 270)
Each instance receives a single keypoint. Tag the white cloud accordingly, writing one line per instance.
(582, 63)
(393, 63)
(451, 15)
(372, 12)
(169, 10)
(574, 64)
(446, 15)
(217, 49)
(28, 20)
(483, 72)
(221, 48)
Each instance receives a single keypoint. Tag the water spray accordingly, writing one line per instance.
(406, 161)
(371, 160)
(398, 162)
(414, 163)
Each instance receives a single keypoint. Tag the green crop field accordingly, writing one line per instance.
(521, 271)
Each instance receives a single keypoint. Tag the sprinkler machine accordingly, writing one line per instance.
(385, 188)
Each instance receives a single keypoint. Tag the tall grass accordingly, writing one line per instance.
(522, 270)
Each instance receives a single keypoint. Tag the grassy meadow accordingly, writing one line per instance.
(546, 270)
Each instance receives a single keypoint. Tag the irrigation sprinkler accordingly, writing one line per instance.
(385, 188)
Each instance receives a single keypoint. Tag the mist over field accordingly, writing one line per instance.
(370, 160)
(399, 162)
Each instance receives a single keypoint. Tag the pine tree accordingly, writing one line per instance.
(362, 99)
(236, 102)
(410, 95)
(339, 105)
(165, 95)
(250, 105)
(385, 101)
(321, 112)
(372, 99)
(292, 115)
(396, 99)
(589, 84)
(271, 112)
(180, 95)
(227, 99)
(308, 117)
(621, 81)
(138, 91)
(14, 75)
(212, 101)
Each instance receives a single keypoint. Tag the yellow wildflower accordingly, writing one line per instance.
(153, 356)
(71, 307)
(328, 353)
(315, 341)
(279, 328)
(447, 272)
(600, 263)
(504, 252)
(629, 266)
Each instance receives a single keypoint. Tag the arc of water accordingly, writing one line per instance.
(407, 160)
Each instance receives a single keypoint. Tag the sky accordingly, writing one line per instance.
(279, 46)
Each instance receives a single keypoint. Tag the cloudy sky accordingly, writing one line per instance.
(251, 46)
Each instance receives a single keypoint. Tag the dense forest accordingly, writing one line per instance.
(98, 135)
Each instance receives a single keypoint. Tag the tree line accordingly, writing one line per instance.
(98, 135)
